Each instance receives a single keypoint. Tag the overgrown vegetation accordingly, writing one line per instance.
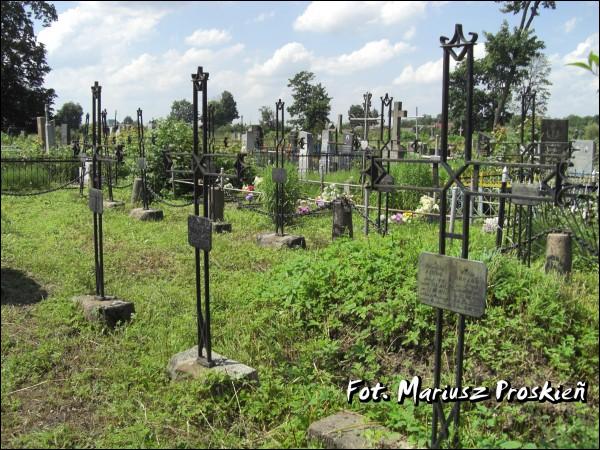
(307, 320)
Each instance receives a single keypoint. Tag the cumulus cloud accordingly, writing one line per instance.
(207, 38)
(335, 15)
(287, 59)
(583, 49)
(368, 56)
(92, 25)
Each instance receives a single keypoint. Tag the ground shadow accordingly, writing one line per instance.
(20, 289)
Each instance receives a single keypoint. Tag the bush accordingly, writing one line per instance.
(292, 190)
(409, 174)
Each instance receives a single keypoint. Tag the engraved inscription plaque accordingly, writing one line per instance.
(454, 284)
(95, 201)
(142, 164)
(279, 175)
(200, 232)
(555, 137)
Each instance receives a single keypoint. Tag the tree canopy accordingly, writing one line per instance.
(311, 104)
(24, 63)
(182, 110)
(71, 114)
(225, 109)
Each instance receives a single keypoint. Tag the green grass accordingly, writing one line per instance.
(307, 320)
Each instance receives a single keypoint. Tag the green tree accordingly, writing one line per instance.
(358, 111)
(182, 110)
(267, 117)
(536, 78)
(225, 109)
(311, 104)
(128, 120)
(71, 114)
(24, 63)
(509, 55)
(519, 50)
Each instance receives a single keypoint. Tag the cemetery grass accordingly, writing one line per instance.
(307, 320)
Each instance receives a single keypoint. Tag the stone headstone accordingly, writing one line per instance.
(345, 151)
(306, 149)
(582, 158)
(555, 137)
(51, 134)
(397, 115)
(41, 129)
(65, 137)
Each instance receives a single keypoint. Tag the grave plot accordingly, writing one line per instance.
(199, 359)
(108, 310)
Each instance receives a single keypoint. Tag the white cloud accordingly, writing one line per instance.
(583, 49)
(263, 17)
(208, 38)
(368, 56)
(289, 58)
(570, 24)
(410, 33)
(336, 15)
(429, 72)
(96, 25)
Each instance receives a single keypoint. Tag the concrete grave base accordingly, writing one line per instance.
(273, 240)
(108, 311)
(111, 205)
(146, 214)
(221, 227)
(347, 429)
(185, 364)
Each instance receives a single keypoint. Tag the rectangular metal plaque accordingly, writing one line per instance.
(142, 164)
(95, 201)
(527, 190)
(279, 175)
(454, 284)
(200, 232)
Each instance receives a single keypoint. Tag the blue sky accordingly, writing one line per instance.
(143, 53)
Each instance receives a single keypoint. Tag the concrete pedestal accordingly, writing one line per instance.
(347, 429)
(185, 364)
(146, 214)
(559, 253)
(108, 311)
(113, 204)
(273, 240)
(221, 227)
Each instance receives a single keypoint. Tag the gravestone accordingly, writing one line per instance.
(64, 134)
(41, 129)
(582, 158)
(252, 139)
(51, 130)
(305, 151)
(328, 150)
(345, 151)
(555, 137)
(397, 115)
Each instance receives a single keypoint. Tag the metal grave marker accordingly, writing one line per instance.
(200, 232)
(453, 284)
(95, 201)
(279, 175)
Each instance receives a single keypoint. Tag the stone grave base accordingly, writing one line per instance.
(146, 214)
(111, 205)
(185, 364)
(221, 227)
(273, 240)
(108, 311)
(347, 429)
